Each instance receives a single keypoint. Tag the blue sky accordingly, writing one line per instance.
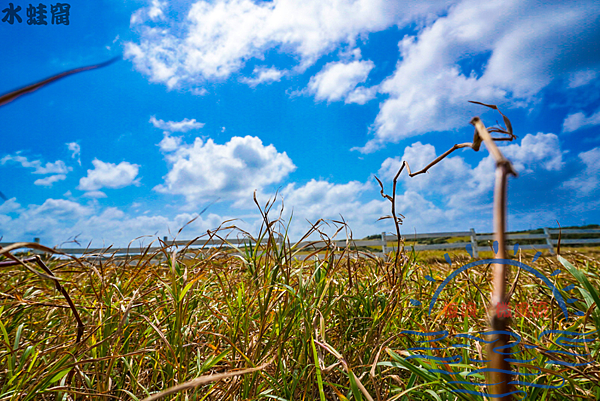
(214, 100)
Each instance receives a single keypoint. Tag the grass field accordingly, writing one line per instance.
(335, 329)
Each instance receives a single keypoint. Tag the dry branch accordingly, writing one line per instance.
(504, 168)
(498, 364)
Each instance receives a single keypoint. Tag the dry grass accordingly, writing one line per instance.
(301, 328)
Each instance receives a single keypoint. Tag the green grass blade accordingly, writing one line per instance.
(580, 276)
(318, 370)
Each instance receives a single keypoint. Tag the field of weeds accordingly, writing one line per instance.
(264, 325)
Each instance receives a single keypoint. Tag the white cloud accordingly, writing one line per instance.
(58, 167)
(262, 75)
(574, 122)
(319, 199)
(199, 91)
(76, 151)
(361, 95)
(60, 208)
(541, 150)
(204, 170)
(336, 80)
(581, 78)
(95, 194)
(9, 206)
(495, 52)
(48, 181)
(169, 143)
(588, 181)
(109, 175)
(219, 37)
(454, 192)
(457, 182)
(60, 220)
(452, 179)
(322, 199)
(176, 126)
(154, 12)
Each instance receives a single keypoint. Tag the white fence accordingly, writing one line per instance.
(377, 247)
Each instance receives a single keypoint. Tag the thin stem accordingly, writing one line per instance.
(499, 322)
(499, 367)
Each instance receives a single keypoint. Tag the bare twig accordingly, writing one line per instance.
(503, 169)
(475, 145)
(479, 137)
(397, 223)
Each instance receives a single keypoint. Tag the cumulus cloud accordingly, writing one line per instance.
(262, 75)
(169, 143)
(218, 38)
(154, 12)
(502, 53)
(319, 199)
(574, 122)
(322, 199)
(203, 170)
(451, 172)
(95, 194)
(337, 80)
(361, 95)
(75, 151)
(540, 150)
(109, 175)
(457, 182)
(9, 206)
(492, 52)
(588, 180)
(61, 208)
(48, 181)
(58, 167)
(176, 126)
(453, 193)
(60, 220)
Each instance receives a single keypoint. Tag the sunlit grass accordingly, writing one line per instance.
(324, 327)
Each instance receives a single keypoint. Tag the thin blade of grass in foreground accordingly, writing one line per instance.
(203, 380)
(9, 97)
